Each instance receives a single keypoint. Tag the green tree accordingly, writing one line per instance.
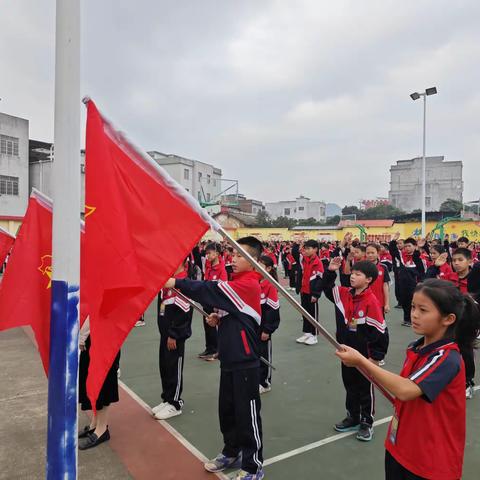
(308, 222)
(381, 212)
(284, 222)
(451, 205)
(351, 210)
(334, 221)
(263, 219)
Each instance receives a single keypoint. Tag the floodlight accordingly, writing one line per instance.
(431, 91)
(415, 96)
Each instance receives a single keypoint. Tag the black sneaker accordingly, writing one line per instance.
(406, 324)
(398, 306)
(348, 424)
(365, 433)
(205, 353)
(85, 432)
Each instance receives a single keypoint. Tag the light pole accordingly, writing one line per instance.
(416, 96)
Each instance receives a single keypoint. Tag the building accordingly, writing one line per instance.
(41, 156)
(231, 219)
(247, 205)
(443, 181)
(201, 180)
(14, 189)
(299, 209)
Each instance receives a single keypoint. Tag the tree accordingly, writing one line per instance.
(382, 211)
(263, 219)
(334, 221)
(308, 222)
(284, 222)
(451, 205)
(351, 210)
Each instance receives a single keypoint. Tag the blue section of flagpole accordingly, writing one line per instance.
(62, 383)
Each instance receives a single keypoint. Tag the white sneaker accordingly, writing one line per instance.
(263, 389)
(469, 392)
(140, 323)
(158, 407)
(303, 338)
(168, 411)
(311, 340)
(381, 363)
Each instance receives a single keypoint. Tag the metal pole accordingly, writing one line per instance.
(63, 371)
(424, 167)
(320, 328)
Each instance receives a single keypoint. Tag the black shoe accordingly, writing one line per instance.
(85, 432)
(398, 306)
(92, 440)
(406, 324)
(205, 353)
(348, 424)
(365, 433)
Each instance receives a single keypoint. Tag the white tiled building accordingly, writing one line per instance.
(299, 209)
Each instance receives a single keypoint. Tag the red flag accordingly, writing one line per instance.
(25, 289)
(139, 226)
(6, 242)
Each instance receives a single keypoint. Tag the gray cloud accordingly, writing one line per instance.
(289, 97)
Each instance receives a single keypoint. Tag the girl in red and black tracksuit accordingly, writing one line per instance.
(361, 325)
(238, 305)
(311, 289)
(270, 321)
(292, 267)
(426, 437)
(175, 327)
(411, 270)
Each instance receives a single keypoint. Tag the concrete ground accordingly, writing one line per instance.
(306, 400)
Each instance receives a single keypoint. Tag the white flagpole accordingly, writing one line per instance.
(63, 371)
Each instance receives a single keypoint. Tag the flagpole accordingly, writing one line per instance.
(63, 371)
(320, 328)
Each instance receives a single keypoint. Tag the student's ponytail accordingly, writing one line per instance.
(467, 327)
(268, 262)
(449, 300)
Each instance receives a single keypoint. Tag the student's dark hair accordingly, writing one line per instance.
(438, 248)
(311, 243)
(268, 262)
(463, 239)
(369, 269)
(463, 251)
(410, 240)
(255, 245)
(361, 247)
(449, 299)
(212, 246)
(385, 245)
(374, 245)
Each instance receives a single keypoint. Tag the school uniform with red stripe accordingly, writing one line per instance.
(427, 434)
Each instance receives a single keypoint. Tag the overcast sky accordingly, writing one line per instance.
(289, 97)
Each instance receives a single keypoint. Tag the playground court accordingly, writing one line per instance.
(298, 414)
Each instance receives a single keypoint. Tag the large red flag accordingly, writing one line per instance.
(25, 289)
(139, 226)
(6, 242)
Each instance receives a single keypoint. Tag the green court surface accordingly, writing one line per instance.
(298, 414)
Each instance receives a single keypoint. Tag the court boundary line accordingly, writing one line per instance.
(175, 433)
(317, 444)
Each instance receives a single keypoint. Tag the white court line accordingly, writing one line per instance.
(191, 448)
(476, 388)
(311, 446)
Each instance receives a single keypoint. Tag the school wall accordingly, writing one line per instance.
(454, 229)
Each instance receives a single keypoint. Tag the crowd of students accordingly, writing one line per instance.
(437, 285)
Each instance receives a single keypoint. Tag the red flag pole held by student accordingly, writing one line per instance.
(6, 243)
(321, 329)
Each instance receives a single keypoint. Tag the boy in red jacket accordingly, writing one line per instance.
(311, 290)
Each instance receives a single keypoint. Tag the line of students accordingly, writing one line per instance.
(245, 312)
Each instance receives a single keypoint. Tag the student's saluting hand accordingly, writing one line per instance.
(335, 264)
(349, 356)
(441, 260)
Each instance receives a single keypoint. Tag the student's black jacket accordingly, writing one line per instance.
(408, 275)
(175, 322)
(238, 333)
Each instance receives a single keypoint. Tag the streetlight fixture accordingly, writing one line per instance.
(416, 96)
